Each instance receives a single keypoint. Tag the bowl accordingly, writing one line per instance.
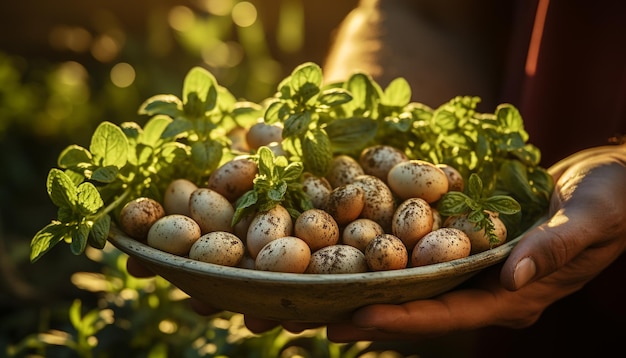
(315, 298)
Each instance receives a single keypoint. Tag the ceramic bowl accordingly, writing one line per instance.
(321, 298)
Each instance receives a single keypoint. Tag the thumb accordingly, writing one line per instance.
(546, 248)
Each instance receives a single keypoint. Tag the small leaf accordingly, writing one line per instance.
(306, 74)
(106, 174)
(154, 129)
(73, 156)
(177, 127)
(275, 112)
(317, 153)
(80, 236)
(297, 124)
(46, 238)
(206, 156)
(199, 92)
(266, 161)
(293, 172)
(100, 232)
(109, 145)
(365, 92)
(477, 216)
(88, 199)
(509, 119)
(453, 203)
(350, 134)
(244, 204)
(61, 189)
(397, 93)
(502, 204)
(334, 97)
(165, 104)
(277, 191)
(475, 186)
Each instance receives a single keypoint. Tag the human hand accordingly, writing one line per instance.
(585, 233)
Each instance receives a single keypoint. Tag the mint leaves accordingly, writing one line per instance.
(186, 136)
(183, 138)
(277, 182)
(475, 205)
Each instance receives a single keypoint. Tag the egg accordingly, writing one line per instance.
(417, 179)
(345, 203)
(218, 247)
(233, 178)
(261, 133)
(343, 170)
(211, 210)
(336, 259)
(379, 200)
(379, 159)
(386, 252)
(437, 219)
(317, 188)
(441, 245)
(455, 179)
(174, 234)
(360, 232)
(479, 239)
(138, 215)
(411, 221)
(284, 254)
(176, 196)
(266, 226)
(317, 228)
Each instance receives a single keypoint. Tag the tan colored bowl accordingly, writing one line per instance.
(305, 297)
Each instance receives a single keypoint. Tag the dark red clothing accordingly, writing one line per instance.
(579, 87)
(576, 99)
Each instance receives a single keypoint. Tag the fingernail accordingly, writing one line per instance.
(524, 272)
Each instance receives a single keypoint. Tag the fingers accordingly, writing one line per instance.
(135, 268)
(456, 311)
(202, 308)
(258, 326)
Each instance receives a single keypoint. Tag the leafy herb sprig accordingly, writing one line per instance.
(278, 182)
(183, 138)
(477, 204)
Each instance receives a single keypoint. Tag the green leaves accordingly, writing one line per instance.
(475, 205)
(78, 205)
(277, 182)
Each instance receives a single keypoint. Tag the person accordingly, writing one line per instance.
(563, 65)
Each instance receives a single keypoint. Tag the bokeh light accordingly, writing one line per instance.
(244, 14)
(122, 75)
(217, 7)
(181, 18)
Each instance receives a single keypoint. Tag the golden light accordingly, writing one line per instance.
(223, 54)
(244, 14)
(64, 37)
(122, 75)
(167, 326)
(181, 18)
(105, 48)
(218, 7)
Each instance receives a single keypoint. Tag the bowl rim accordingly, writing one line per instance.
(475, 262)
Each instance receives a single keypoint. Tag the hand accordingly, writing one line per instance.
(586, 232)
